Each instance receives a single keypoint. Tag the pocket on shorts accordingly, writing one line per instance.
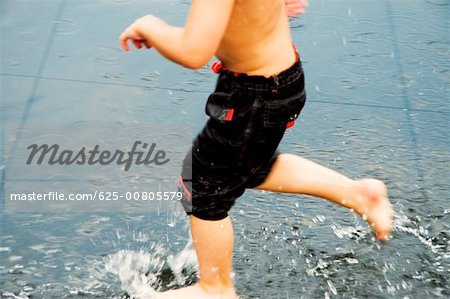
(279, 113)
(229, 116)
(226, 108)
(219, 107)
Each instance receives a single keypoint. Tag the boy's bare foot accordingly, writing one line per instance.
(376, 207)
(191, 292)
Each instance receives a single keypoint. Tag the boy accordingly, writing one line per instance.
(259, 93)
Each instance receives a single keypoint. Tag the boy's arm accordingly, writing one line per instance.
(191, 46)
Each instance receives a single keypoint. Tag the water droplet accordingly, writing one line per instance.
(12, 62)
(15, 258)
(66, 27)
(332, 287)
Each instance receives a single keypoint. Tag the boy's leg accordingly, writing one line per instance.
(367, 197)
(213, 242)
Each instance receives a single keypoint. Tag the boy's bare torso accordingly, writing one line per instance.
(257, 39)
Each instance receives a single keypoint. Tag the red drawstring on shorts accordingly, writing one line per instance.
(216, 67)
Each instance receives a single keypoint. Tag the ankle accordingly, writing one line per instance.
(214, 287)
(370, 192)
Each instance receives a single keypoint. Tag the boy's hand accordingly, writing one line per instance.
(295, 8)
(133, 33)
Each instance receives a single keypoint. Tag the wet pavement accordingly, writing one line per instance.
(378, 105)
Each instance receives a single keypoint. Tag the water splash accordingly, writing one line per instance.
(146, 273)
(406, 225)
(131, 269)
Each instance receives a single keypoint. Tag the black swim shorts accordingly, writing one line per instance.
(236, 149)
